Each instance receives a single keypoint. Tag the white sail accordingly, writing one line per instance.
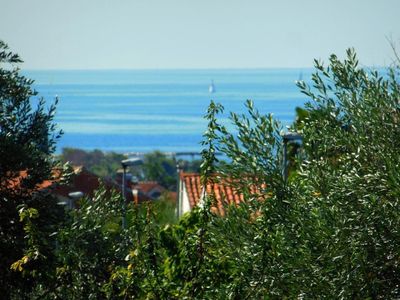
(211, 88)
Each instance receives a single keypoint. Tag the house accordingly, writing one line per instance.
(151, 189)
(191, 193)
(139, 191)
(21, 185)
(87, 183)
(83, 183)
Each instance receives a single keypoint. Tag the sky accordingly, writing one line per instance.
(158, 34)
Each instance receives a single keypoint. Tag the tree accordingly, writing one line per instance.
(27, 140)
(332, 230)
(351, 138)
(100, 163)
(158, 167)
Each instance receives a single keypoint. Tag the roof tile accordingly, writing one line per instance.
(223, 191)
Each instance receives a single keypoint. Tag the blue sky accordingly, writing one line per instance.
(137, 34)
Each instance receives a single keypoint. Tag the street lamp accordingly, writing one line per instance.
(287, 137)
(130, 162)
(178, 188)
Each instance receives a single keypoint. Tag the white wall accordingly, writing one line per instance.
(184, 200)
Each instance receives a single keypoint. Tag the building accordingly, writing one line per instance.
(191, 193)
(151, 189)
(82, 183)
(139, 191)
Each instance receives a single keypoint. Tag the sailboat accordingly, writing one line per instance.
(211, 87)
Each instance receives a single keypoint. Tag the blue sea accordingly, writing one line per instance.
(146, 110)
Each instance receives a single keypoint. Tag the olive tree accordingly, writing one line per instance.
(27, 140)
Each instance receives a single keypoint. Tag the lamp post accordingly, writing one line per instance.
(178, 188)
(287, 137)
(130, 162)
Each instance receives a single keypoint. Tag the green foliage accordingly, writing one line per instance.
(158, 167)
(190, 166)
(164, 210)
(90, 245)
(351, 138)
(330, 231)
(209, 159)
(100, 163)
(27, 140)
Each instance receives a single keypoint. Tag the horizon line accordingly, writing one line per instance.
(163, 69)
(191, 69)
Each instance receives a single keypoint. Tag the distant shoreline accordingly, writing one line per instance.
(167, 69)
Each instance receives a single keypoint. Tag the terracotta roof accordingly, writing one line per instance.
(84, 181)
(148, 186)
(224, 191)
(130, 196)
(193, 187)
(15, 183)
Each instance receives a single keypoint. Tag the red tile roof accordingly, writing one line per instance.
(86, 182)
(142, 189)
(148, 186)
(83, 181)
(193, 187)
(16, 183)
(225, 192)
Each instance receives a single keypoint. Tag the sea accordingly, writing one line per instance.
(145, 110)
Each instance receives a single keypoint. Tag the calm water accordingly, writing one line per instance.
(144, 110)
